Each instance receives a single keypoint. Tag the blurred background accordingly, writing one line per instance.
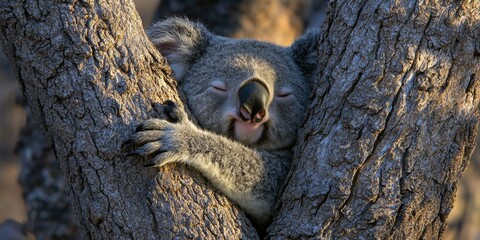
(31, 179)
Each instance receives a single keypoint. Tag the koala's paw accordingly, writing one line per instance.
(173, 112)
(160, 141)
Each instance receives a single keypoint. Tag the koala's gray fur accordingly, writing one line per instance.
(248, 163)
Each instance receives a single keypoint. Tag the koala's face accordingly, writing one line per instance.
(250, 91)
(213, 87)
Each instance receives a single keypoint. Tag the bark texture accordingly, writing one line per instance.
(392, 122)
(90, 75)
(388, 133)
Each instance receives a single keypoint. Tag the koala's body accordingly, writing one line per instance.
(249, 98)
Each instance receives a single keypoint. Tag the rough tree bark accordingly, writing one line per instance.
(392, 122)
(90, 75)
(387, 135)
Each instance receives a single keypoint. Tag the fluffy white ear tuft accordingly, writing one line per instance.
(180, 41)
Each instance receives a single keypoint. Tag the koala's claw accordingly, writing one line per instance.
(152, 138)
(126, 144)
(145, 133)
(173, 112)
(139, 128)
(128, 148)
(157, 158)
(158, 140)
(151, 125)
(131, 153)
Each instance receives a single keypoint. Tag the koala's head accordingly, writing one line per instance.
(251, 91)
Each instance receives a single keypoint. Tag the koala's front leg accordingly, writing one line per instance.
(250, 178)
(163, 141)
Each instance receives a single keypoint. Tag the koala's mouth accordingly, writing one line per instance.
(248, 133)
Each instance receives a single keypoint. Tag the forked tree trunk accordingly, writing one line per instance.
(42, 181)
(389, 130)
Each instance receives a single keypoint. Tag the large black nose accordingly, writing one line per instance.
(253, 98)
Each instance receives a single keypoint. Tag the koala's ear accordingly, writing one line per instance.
(304, 52)
(180, 41)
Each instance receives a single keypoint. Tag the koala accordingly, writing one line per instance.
(249, 98)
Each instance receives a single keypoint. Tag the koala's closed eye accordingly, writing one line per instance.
(284, 93)
(218, 87)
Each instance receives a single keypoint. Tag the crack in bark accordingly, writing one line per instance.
(376, 143)
(472, 81)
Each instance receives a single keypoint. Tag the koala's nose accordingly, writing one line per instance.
(253, 98)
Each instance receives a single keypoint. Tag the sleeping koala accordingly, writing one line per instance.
(249, 98)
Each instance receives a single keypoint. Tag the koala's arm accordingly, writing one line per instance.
(249, 177)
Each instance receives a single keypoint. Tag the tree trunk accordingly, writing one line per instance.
(90, 75)
(392, 123)
(387, 135)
